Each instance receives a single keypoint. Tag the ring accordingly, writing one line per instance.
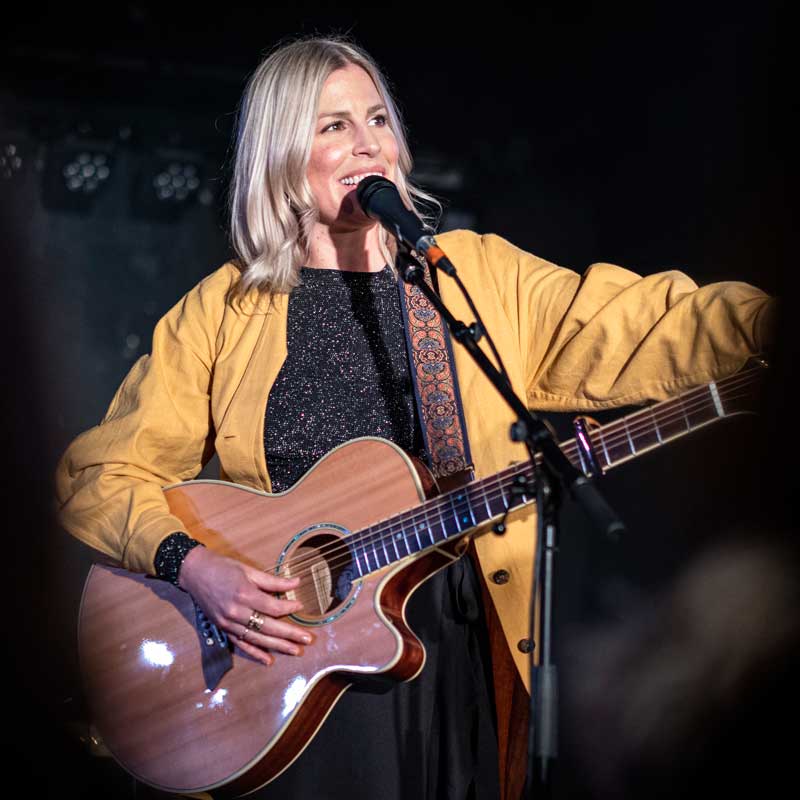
(255, 622)
(243, 637)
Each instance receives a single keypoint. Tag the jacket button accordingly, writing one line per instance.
(501, 576)
(525, 645)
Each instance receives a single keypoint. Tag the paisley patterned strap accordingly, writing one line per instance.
(435, 381)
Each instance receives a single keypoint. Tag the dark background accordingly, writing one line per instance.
(653, 138)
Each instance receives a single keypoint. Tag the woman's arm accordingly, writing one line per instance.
(158, 431)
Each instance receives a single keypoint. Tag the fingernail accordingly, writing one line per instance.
(306, 639)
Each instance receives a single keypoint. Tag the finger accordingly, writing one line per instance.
(274, 643)
(255, 652)
(252, 598)
(262, 604)
(276, 607)
(272, 583)
(285, 630)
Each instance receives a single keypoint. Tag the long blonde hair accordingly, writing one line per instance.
(272, 210)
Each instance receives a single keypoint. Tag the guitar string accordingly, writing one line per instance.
(365, 535)
(373, 535)
(619, 430)
(374, 540)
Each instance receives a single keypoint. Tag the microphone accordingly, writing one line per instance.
(379, 199)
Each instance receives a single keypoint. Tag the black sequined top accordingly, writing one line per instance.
(346, 373)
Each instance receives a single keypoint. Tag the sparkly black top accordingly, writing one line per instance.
(346, 373)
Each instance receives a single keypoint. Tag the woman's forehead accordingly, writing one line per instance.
(347, 84)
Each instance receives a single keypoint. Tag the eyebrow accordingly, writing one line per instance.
(370, 110)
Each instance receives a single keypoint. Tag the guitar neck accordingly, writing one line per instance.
(651, 427)
(462, 511)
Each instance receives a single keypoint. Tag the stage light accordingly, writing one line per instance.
(76, 173)
(86, 172)
(166, 186)
(176, 183)
(10, 160)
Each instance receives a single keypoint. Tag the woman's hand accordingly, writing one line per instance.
(229, 592)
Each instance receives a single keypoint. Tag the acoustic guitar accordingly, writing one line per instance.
(183, 712)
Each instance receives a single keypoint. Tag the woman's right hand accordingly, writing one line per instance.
(229, 592)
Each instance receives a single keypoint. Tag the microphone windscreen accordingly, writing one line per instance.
(368, 188)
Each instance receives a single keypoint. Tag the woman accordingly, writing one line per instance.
(307, 326)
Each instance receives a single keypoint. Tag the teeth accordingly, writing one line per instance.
(357, 178)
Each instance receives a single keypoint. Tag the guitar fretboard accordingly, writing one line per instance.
(481, 502)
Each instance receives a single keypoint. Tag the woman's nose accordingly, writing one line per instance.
(366, 142)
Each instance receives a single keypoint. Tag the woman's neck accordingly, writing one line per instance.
(357, 250)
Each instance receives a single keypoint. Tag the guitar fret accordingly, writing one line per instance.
(685, 415)
(469, 508)
(377, 559)
(465, 520)
(597, 433)
(672, 424)
(628, 434)
(503, 498)
(402, 538)
(717, 399)
(416, 533)
(655, 427)
(707, 409)
(441, 523)
(646, 434)
(489, 514)
(385, 551)
(452, 525)
(503, 502)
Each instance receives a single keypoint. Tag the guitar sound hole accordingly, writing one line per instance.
(325, 568)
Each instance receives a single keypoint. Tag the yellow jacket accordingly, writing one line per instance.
(606, 338)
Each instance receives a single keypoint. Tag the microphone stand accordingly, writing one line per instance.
(552, 470)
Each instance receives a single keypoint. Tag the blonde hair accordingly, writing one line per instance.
(272, 209)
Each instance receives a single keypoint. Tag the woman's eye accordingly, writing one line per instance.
(379, 120)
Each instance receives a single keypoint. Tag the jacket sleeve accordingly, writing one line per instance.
(157, 431)
(610, 337)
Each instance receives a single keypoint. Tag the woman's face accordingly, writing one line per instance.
(352, 140)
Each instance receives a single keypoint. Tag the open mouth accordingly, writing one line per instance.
(354, 180)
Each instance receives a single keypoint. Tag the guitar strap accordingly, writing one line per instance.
(432, 366)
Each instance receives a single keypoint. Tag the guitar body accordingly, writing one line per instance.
(141, 652)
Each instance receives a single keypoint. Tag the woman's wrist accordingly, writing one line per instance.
(171, 554)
